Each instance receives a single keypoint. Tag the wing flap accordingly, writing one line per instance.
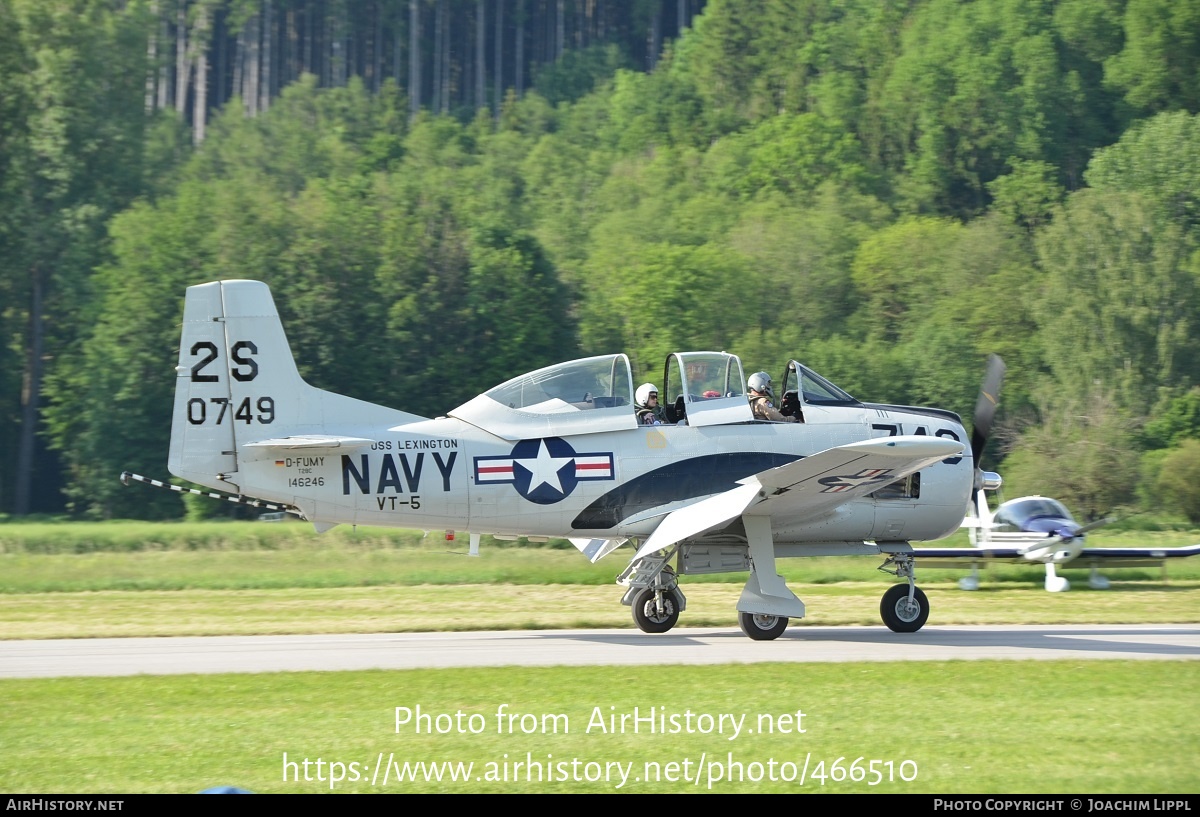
(596, 549)
(701, 516)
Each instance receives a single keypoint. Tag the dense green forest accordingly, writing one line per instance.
(446, 193)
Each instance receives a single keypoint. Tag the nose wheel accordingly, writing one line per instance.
(649, 617)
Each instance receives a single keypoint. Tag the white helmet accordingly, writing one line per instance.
(642, 395)
(761, 383)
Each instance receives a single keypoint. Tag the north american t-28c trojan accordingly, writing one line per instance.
(559, 453)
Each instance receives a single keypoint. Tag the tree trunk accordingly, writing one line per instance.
(498, 61)
(414, 57)
(654, 40)
(291, 60)
(31, 397)
(519, 51)
(306, 58)
(560, 33)
(152, 60)
(252, 74)
(337, 51)
(239, 64)
(377, 50)
(182, 63)
(221, 38)
(264, 98)
(480, 55)
(164, 69)
(438, 25)
(199, 46)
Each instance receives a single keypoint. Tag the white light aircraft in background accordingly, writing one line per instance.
(559, 453)
(1033, 529)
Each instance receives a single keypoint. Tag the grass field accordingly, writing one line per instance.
(1058, 727)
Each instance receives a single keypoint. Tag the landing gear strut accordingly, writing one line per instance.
(904, 608)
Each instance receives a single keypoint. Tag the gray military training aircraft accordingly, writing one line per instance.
(559, 452)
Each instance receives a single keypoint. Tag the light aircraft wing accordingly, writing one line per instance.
(807, 488)
(1087, 557)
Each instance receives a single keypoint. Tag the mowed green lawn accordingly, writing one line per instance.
(1057, 727)
(1063, 727)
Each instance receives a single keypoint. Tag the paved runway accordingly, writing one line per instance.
(169, 656)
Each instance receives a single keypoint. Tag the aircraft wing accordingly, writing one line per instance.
(806, 488)
(1087, 557)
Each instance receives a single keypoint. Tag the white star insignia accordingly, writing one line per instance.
(544, 469)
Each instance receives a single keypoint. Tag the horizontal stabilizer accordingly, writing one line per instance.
(311, 441)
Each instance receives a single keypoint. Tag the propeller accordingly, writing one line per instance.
(985, 412)
(1099, 523)
(985, 406)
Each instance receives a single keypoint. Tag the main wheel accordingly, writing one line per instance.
(901, 615)
(646, 615)
(762, 627)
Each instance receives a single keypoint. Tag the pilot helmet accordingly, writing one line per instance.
(761, 383)
(642, 395)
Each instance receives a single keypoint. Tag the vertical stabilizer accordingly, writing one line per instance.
(202, 448)
(237, 383)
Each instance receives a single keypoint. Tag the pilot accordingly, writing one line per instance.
(646, 406)
(761, 395)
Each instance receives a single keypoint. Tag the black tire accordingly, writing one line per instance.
(646, 615)
(896, 612)
(762, 627)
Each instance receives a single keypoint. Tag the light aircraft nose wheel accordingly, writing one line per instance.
(762, 627)
(646, 615)
(900, 614)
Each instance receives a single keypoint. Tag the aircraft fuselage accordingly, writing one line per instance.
(447, 473)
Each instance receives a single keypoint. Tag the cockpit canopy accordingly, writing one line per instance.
(595, 394)
(1018, 513)
(577, 397)
(705, 388)
(812, 388)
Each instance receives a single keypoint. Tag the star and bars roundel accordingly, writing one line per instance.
(545, 470)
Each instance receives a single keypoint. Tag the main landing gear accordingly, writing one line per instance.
(904, 608)
(762, 627)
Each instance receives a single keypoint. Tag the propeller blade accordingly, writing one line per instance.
(985, 406)
(1099, 523)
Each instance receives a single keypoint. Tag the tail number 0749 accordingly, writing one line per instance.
(197, 410)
